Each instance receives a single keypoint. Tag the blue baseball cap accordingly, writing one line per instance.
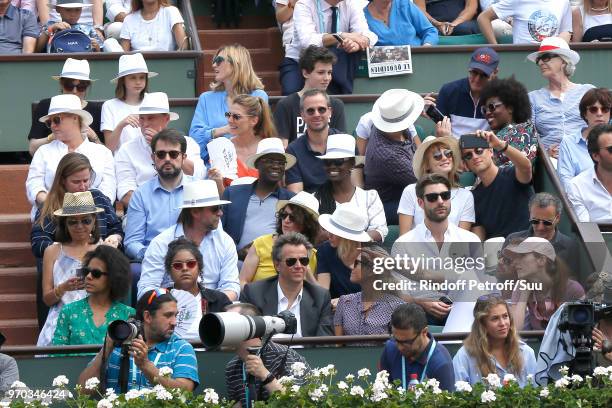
(484, 59)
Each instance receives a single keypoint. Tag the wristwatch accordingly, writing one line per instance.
(269, 378)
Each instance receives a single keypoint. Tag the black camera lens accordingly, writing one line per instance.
(581, 315)
(120, 331)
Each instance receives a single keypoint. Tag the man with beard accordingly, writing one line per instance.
(252, 212)
(156, 347)
(133, 160)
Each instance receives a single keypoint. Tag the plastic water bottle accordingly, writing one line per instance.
(413, 382)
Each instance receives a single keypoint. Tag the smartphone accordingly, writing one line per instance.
(446, 299)
(338, 38)
(471, 141)
(434, 114)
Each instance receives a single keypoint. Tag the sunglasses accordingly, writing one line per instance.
(180, 265)
(609, 149)
(433, 197)
(335, 162)
(219, 59)
(595, 109)
(490, 107)
(475, 73)
(477, 151)
(235, 116)
(545, 57)
(81, 87)
(292, 261)
(321, 110)
(282, 215)
(56, 120)
(437, 156)
(95, 273)
(84, 221)
(214, 208)
(535, 221)
(161, 154)
(156, 293)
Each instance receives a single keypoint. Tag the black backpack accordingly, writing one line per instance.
(70, 40)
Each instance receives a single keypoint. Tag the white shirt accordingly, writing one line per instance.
(283, 302)
(462, 206)
(47, 157)
(114, 111)
(152, 35)
(116, 7)
(369, 203)
(286, 27)
(312, 19)
(134, 166)
(589, 198)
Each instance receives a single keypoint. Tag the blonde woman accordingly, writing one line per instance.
(234, 75)
(493, 346)
(439, 155)
(592, 21)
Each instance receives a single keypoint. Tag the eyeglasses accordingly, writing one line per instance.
(433, 197)
(405, 342)
(535, 221)
(335, 162)
(320, 110)
(475, 73)
(214, 208)
(180, 265)
(84, 221)
(292, 261)
(545, 57)
(161, 154)
(56, 120)
(219, 59)
(490, 107)
(594, 109)
(282, 215)
(477, 151)
(156, 293)
(273, 162)
(609, 149)
(437, 156)
(81, 86)
(95, 273)
(235, 116)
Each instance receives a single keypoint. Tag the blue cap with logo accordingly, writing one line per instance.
(484, 59)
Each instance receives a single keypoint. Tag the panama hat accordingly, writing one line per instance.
(75, 69)
(304, 200)
(340, 146)
(79, 203)
(132, 64)
(67, 103)
(201, 193)
(69, 4)
(154, 103)
(396, 109)
(346, 222)
(419, 154)
(555, 45)
(532, 244)
(270, 145)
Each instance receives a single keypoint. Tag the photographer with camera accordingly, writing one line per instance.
(265, 365)
(149, 343)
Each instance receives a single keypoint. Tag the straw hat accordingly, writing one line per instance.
(75, 69)
(396, 109)
(532, 244)
(270, 145)
(419, 154)
(555, 45)
(67, 103)
(79, 203)
(346, 222)
(303, 200)
(154, 103)
(201, 193)
(132, 64)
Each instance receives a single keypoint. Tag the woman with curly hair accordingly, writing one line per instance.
(493, 346)
(234, 75)
(508, 111)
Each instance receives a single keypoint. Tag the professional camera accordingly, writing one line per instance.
(230, 328)
(579, 318)
(124, 331)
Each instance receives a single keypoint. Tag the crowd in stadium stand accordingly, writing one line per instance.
(286, 210)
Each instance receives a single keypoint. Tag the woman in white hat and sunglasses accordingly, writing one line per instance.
(120, 114)
(76, 234)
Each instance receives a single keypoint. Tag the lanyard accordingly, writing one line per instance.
(431, 350)
(246, 387)
(322, 29)
(135, 369)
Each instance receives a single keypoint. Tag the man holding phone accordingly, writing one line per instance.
(501, 195)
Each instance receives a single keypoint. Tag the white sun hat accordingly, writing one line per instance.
(75, 69)
(303, 200)
(154, 103)
(132, 64)
(555, 45)
(67, 103)
(346, 222)
(270, 145)
(396, 109)
(201, 193)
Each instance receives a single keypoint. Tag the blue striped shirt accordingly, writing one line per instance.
(175, 353)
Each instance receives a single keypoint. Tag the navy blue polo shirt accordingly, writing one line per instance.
(454, 100)
(440, 364)
(309, 169)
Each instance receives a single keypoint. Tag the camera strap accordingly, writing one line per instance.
(136, 370)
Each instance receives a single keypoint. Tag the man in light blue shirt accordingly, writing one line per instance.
(198, 221)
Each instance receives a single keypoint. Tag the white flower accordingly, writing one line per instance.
(211, 396)
(418, 392)
(562, 382)
(318, 393)
(351, 377)
(493, 380)
(165, 371)
(529, 378)
(576, 378)
(378, 396)
(544, 393)
(401, 390)
(298, 369)
(356, 391)
(382, 378)
(342, 385)
(600, 371)
(60, 381)
(509, 378)
(328, 370)
(163, 395)
(147, 391)
(104, 403)
(315, 373)
(45, 403)
(463, 386)
(110, 392)
(433, 383)
(487, 396)
(364, 372)
(92, 383)
(564, 370)
(132, 394)
(19, 384)
(286, 379)
(295, 389)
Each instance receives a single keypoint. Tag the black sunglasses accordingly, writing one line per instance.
(545, 57)
(594, 109)
(282, 215)
(96, 273)
(477, 151)
(81, 86)
(609, 149)
(161, 154)
(56, 120)
(437, 156)
(214, 208)
(292, 261)
(490, 107)
(433, 197)
(84, 221)
(335, 162)
(219, 59)
(321, 110)
(535, 221)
